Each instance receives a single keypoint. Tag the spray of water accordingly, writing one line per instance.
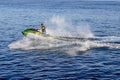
(60, 27)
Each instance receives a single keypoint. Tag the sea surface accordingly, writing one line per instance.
(85, 42)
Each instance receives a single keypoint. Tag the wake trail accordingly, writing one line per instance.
(67, 45)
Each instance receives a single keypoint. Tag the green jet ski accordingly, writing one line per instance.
(31, 30)
(36, 32)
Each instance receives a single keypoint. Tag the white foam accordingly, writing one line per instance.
(69, 47)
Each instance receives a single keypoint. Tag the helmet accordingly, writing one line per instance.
(42, 24)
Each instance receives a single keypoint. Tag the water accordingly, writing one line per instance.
(91, 50)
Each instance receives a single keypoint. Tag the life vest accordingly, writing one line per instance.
(43, 29)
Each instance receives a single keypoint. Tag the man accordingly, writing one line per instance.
(43, 28)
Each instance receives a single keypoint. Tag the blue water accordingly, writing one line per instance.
(91, 51)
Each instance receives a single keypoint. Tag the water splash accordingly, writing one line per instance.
(61, 26)
(70, 45)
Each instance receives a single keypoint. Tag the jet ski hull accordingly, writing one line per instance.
(31, 30)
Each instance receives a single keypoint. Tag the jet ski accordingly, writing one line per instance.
(31, 30)
(36, 32)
